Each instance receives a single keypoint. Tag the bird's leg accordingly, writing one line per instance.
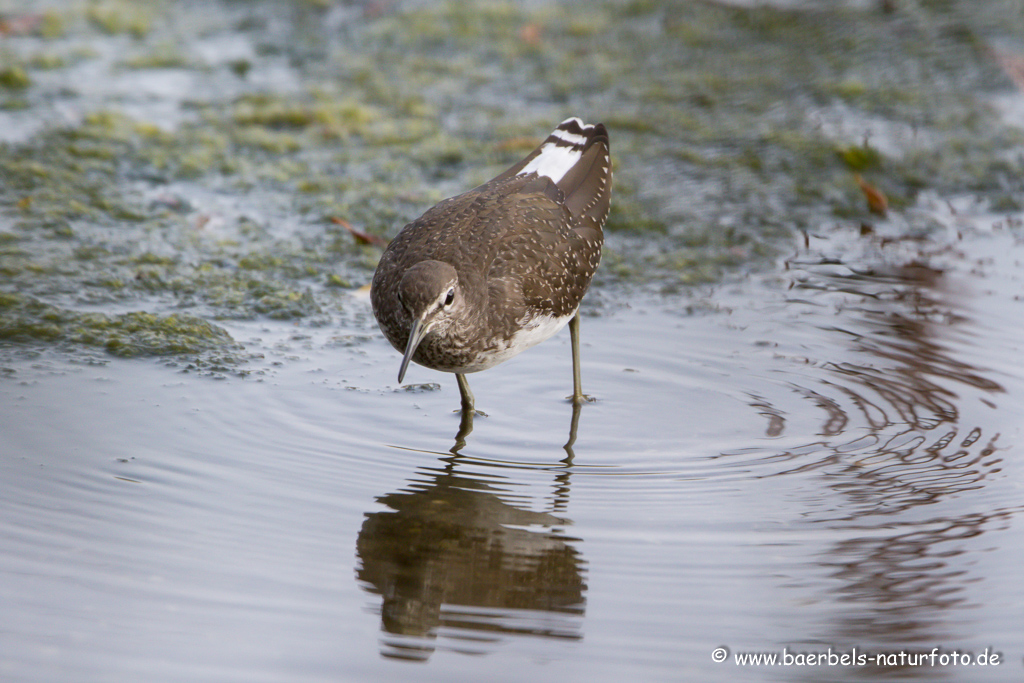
(573, 428)
(574, 335)
(465, 427)
(468, 402)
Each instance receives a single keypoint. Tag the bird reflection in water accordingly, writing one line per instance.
(460, 555)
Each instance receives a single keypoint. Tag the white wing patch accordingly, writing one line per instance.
(554, 161)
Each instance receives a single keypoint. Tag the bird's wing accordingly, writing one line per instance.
(539, 255)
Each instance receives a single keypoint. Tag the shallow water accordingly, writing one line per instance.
(817, 457)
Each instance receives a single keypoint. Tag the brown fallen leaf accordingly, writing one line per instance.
(520, 144)
(360, 236)
(1012, 65)
(530, 34)
(20, 25)
(877, 201)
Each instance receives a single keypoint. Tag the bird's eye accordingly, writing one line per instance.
(450, 298)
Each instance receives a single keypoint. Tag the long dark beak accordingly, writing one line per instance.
(416, 334)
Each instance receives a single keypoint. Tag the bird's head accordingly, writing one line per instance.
(429, 292)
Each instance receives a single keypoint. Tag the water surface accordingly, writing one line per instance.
(820, 457)
(806, 431)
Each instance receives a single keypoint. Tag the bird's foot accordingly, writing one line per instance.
(470, 411)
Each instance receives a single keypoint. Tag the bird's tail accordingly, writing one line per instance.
(576, 158)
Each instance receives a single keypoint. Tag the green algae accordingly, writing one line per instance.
(121, 17)
(147, 334)
(128, 335)
(47, 61)
(860, 157)
(331, 117)
(166, 56)
(629, 215)
(14, 78)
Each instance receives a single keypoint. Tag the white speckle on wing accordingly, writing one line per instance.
(554, 161)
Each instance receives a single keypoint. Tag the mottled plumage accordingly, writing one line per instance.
(486, 274)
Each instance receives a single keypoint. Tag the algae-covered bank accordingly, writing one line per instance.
(164, 156)
(804, 341)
